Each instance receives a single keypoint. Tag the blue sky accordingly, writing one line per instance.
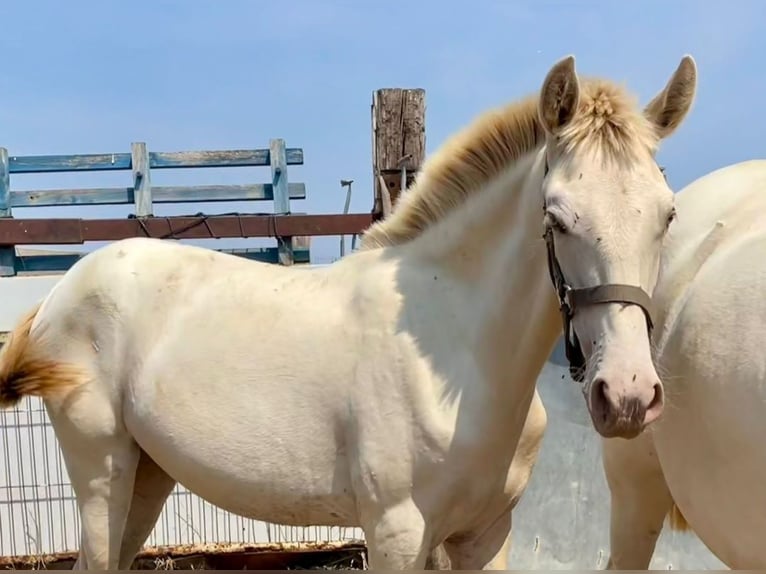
(90, 77)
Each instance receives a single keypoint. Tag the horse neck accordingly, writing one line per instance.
(494, 247)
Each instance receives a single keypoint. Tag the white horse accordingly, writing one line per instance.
(706, 458)
(392, 390)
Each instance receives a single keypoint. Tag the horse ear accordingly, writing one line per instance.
(669, 108)
(559, 96)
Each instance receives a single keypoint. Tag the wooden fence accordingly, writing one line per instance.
(282, 224)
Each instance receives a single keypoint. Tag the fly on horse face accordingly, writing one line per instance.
(394, 389)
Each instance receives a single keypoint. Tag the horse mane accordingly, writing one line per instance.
(608, 123)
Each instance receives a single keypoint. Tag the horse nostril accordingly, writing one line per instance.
(601, 388)
(654, 410)
(658, 397)
(599, 399)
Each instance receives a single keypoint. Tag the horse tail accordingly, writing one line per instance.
(677, 520)
(24, 370)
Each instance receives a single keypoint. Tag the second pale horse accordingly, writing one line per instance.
(707, 453)
(394, 389)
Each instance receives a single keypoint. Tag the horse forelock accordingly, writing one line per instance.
(609, 123)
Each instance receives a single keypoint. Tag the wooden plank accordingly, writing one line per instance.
(40, 231)
(88, 196)
(70, 231)
(59, 163)
(62, 262)
(268, 254)
(160, 194)
(158, 160)
(48, 262)
(281, 197)
(225, 158)
(7, 254)
(142, 179)
(399, 141)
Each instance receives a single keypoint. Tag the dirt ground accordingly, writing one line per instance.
(298, 556)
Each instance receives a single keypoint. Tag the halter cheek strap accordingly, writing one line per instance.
(570, 300)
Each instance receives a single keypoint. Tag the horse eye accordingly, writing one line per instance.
(662, 171)
(671, 217)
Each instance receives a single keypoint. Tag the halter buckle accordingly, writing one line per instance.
(565, 300)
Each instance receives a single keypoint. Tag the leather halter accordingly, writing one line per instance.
(570, 300)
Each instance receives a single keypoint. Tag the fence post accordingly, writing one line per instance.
(398, 143)
(142, 181)
(7, 253)
(278, 161)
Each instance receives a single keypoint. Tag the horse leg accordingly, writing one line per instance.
(488, 548)
(151, 488)
(102, 473)
(640, 500)
(483, 550)
(397, 538)
(101, 459)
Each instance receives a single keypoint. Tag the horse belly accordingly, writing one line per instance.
(294, 476)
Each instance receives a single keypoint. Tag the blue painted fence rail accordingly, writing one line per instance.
(144, 196)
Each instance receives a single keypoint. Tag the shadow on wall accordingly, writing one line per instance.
(558, 356)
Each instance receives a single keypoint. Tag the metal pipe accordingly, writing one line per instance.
(347, 184)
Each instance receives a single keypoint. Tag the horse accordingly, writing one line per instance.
(393, 390)
(703, 464)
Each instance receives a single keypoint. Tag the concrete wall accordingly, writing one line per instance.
(17, 294)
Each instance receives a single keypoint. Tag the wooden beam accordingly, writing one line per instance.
(281, 196)
(60, 262)
(160, 194)
(398, 142)
(157, 160)
(142, 179)
(71, 231)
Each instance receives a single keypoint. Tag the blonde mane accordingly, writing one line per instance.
(608, 123)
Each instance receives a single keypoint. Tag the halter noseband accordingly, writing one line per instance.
(571, 299)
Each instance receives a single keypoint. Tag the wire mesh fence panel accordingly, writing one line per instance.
(38, 510)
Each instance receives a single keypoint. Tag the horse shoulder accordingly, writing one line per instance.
(723, 310)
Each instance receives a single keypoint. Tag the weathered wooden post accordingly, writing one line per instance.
(398, 142)
(142, 181)
(278, 161)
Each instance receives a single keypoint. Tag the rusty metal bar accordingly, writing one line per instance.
(76, 231)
